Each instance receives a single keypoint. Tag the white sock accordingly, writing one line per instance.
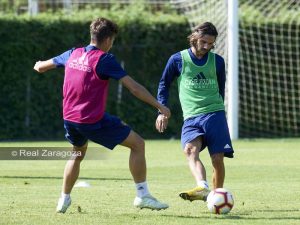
(142, 189)
(65, 196)
(203, 184)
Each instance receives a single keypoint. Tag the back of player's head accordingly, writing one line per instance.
(206, 28)
(102, 28)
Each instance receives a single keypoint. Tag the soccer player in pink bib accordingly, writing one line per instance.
(85, 89)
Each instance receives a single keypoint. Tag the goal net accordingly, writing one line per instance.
(269, 61)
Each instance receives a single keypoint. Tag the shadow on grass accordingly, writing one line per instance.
(204, 216)
(60, 178)
(235, 217)
(278, 210)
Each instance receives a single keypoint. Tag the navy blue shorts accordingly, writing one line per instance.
(214, 130)
(109, 132)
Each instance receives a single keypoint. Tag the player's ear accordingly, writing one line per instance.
(109, 40)
(213, 46)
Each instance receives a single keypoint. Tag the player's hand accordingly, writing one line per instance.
(43, 66)
(161, 123)
(165, 111)
(37, 66)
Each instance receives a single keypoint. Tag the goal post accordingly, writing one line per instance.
(233, 77)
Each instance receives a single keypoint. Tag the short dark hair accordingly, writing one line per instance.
(206, 28)
(102, 28)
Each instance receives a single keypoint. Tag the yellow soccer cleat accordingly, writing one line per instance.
(197, 193)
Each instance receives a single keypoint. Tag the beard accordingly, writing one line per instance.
(202, 51)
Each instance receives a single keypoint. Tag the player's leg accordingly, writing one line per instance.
(111, 132)
(137, 166)
(218, 176)
(72, 167)
(219, 146)
(137, 161)
(71, 173)
(191, 151)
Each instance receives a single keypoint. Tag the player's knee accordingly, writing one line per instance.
(190, 150)
(79, 152)
(139, 144)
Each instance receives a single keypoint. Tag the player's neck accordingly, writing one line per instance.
(98, 46)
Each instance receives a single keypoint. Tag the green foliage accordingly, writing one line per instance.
(31, 102)
(249, 13)
(11, 6)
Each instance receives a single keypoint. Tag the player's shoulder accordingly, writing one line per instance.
(175, 57)
(107, 57)
(69, 51)
(218, 57)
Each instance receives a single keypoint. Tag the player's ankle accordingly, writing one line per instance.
(203, 184)
(65, 196)
(142, 189)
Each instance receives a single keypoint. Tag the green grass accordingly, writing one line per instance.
(264, 178)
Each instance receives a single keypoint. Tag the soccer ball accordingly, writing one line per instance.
(220, 201)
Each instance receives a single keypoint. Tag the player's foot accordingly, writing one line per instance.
(149, 202)
(197, 193)
(63, 204)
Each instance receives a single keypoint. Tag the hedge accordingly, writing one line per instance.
(31, 103)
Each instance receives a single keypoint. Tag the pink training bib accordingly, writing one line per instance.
(84, 92)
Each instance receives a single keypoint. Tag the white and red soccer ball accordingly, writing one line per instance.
(220, 201)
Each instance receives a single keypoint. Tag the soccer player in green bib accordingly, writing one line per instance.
(201, 79)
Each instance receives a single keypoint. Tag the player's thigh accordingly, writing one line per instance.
(73, 135)
(217, 134)
(109, 132)
(134, 141)
(191, 134)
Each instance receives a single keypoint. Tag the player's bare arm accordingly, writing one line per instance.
(141, 93)
(43, 66)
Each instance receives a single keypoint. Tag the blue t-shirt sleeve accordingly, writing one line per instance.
(171, 71)
(60, 60)
(221, 74)
(108, 67)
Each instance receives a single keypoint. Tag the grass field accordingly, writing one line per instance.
(264, 178)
